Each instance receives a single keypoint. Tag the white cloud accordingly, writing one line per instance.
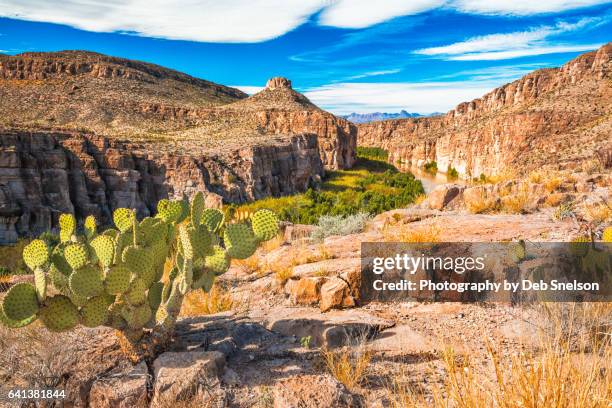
(521, 7)
(501, 55)
(249, 89)
(364, 13)
(429, 97)
(375, 73)
(203, 20)
(248, 20)
(513, 45)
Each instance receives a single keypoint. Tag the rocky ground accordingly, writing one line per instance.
(296, 309)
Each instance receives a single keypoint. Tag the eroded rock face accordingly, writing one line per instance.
(551, 116)
(44, 174)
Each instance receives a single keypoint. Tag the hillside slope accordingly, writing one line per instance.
(551, 117)
(95, 92)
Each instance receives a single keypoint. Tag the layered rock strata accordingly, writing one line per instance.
(558, 117)
(43, 174)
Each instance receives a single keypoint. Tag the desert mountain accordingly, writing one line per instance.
(108, 95)
(86, 133)
(378, 116)
(558, 117)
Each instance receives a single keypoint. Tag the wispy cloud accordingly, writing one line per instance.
(515, 44)
(250, 20)
(344, 98)
(374, 73)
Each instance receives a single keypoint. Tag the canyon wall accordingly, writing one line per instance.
(551, 116)
(43, 174)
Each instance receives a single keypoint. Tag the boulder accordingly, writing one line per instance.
(442, 195)
(333, 293)
(181, 375)
(307, 291)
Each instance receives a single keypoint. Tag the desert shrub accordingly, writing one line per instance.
(451, 173)
(374, 153)
(329, 225)
(431, 167)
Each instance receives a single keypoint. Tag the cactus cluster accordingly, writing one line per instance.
(114, 277)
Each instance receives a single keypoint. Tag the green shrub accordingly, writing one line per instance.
(451, 173)
(329, 225)
(431, 167)
(373, 153)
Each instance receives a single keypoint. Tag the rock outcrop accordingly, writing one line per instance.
(557, 117)
(43, 174)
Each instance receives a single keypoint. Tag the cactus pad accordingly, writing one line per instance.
(90, 226)
(137, 295)
(606, 236)
(14, 324)
(58, 279)
(170, 211)
(76, 255)
(137, 317)
(58, 261)
(218, 262)
(186, 247)
(86, 282)
(117, 280)
(40, 282)
(205, 282)
(113, 233)
(213, 219)
(123, 219)
(198, 205)
(95, 312)
(155, 295)
(104, 248)
(240, 242)
(59, 314)
(20, 302)
(67, 224)
(137, 259)
(35, 254)
(265, 225)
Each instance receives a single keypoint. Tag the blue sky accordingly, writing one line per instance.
(346, 55)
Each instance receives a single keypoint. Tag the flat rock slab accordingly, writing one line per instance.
(333, 329)
(402, 340)
(181, 375)
(328, 267)
(313, 391)
(122, 389)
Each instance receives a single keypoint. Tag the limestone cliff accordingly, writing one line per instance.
(559, 117)
(43, 174)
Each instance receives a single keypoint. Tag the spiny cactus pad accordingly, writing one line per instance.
(198, 205)
(117, 280)
(213, 219)
(87, 282)
(35, 254)
(90, 226)
(137, 259)
(20, 302)
(58, 261)
(155, 295)
(67, 224)
(14, 324)
(59, 314)
(123, 219)
(218, 262)
(240, 242)
(170, 211)
(76, 255)
(95, 311)
(265, 225)
(137, 293)
(104, 248)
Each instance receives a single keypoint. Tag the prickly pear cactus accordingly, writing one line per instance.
(116, 278)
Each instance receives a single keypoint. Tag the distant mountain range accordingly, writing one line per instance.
(377, 116)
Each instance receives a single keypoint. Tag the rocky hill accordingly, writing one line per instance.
(552, 117)
(87, 133)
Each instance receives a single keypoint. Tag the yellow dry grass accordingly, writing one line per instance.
(348, 365)
(598, 213)
(572, 369)
(481, 204)
(198, 303)
(554, 199)
(515, 203)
